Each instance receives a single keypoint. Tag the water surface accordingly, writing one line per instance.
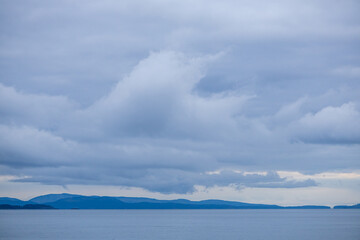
(181, 224)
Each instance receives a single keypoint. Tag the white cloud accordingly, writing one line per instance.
(347, 71)
(39, 110)
(331, 125)
(153, 130)
(28, 147)
(88, 103)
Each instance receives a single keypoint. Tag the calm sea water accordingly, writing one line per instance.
(180, 224)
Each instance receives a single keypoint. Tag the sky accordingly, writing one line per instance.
(254, 101)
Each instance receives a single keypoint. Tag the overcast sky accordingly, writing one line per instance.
(239, 100)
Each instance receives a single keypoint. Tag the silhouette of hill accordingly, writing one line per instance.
(26, 206)
(357, 206)
(13, 201)
(73, 201)
(52, 197)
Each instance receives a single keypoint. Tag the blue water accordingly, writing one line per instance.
(180, 224)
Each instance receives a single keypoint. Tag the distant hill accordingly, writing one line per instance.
(357, 206)
(95, 202)
(13, 201)
(51, 197)
(26, 206)
(72, 201)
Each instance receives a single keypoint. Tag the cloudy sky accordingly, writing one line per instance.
(240, 100)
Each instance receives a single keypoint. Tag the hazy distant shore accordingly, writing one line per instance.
(71, 201)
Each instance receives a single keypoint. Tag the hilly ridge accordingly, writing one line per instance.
(74, 201)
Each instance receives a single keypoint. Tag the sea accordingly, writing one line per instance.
(280, 224)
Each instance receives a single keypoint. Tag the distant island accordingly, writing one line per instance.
(26, 206)
(357, 206)
(72, 201)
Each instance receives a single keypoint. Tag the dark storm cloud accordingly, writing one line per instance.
(157, 94)
(164, 180)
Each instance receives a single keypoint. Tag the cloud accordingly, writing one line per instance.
(23, 147)
(155, 95)
(157, 99)
(347, 71)
(143, 102)
(39, 110)
(165, 180)
(331, 125)
(155, 131)
(62, 47)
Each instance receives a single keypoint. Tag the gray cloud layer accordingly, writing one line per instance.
(157, 95)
